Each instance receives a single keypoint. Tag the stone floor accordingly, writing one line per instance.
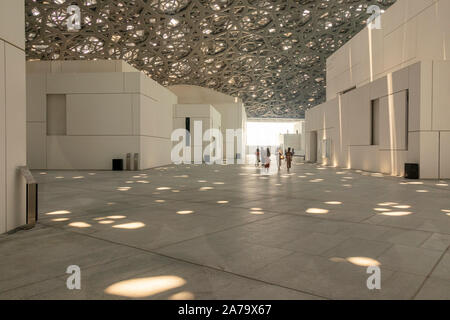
(228, 232)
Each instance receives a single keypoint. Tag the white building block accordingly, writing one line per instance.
(15, 135)
(12, 22)
(99, 114)
(2, 141)
(36, 145)
(445, 156)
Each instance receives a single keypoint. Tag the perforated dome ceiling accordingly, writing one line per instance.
(271, 54)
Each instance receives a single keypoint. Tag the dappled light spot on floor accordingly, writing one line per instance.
(58, 212)
(43, 173)
(422, 191)
(78, 177)
(333, 202)
(160, 201)
(185, 295)
(116, 217)
(206, 188)
(317, 211)
(130, 226)
(222, 202)
(387, 204)
(145, 287)
(219, 183)
(382, 209)
(396, 213)
(59, 177)
(337, 259)
(316, 180)
(402, 207)
(363, 261)
(143, 181)
(257, 211)
(163, 188)
(106, 221)
(80, 225)
(60, 219)
(123, 188)
(185, 212)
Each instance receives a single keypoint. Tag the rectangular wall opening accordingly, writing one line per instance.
(375, 122)
(56, 115)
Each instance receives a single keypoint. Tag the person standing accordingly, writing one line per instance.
(258, 157)
(288, 157)
(279, 158)
(267, 160)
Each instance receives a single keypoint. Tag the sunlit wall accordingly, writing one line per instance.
(261, 133)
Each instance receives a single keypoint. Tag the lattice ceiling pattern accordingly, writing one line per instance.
(270, 53)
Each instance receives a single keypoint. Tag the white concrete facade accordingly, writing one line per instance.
(12, 114)
(410, 98)
(82, 114)
(411, 31)
(232, 110)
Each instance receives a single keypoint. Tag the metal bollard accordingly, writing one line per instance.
(128, 162)
(32, 196)
(136, 162)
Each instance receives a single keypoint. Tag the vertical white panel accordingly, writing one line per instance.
(445, 155)
(56, 115)
(12, 22)
(36, 145)
(429, 155)
(393, 132)
(15, 135)
(2, 140)
(36, 97)
(441, 95)
(426, 93)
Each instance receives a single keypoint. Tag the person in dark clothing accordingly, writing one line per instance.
(288, 157)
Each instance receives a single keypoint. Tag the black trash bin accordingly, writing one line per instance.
(117, 164)
(412, 171)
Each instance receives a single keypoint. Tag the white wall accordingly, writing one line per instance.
(209, 117)
(12, 114)
(410, 52)
(412, 31)
(410, 130)
(232, 110)
(110, 110)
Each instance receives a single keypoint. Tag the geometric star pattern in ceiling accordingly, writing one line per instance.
(270, 53)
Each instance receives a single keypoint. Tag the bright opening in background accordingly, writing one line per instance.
(268, 133)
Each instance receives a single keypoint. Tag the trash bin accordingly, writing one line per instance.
(412, 171)
(117, 164)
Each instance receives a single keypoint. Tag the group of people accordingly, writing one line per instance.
(264, 158)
